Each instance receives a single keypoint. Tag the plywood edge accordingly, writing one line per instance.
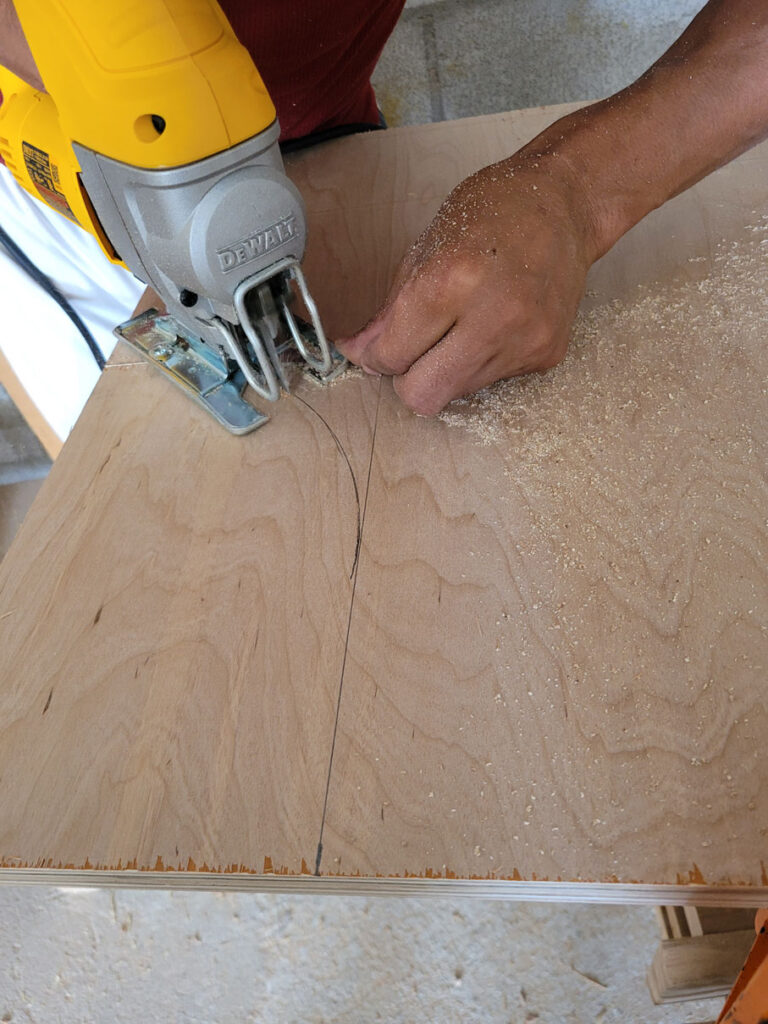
(550, 111)
(234, 881)
(36, 422)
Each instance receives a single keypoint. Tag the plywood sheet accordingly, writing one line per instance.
(174, 616)
(181, 619)
(559, 644)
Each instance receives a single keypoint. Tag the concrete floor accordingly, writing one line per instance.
(73, 956)
(96, 956)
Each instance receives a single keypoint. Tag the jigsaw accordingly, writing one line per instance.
(157, 134)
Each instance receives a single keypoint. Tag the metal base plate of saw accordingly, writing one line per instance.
(211, 379)
(215, 384)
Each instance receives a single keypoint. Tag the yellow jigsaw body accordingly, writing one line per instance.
(157, 135)
(115, 73)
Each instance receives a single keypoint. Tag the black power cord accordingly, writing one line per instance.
(20, 257)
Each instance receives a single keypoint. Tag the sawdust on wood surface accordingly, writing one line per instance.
(676, 346)
(636, 484)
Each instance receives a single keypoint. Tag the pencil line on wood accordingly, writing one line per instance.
(319, 855)
(343, 453)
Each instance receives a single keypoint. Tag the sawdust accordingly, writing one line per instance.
(350, 372)
(674, 347)
(634, 503)
(296, 371)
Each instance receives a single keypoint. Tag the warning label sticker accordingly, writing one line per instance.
(45, 174)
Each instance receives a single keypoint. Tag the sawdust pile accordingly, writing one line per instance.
(623, 498)
(657, 358)
(634, 504)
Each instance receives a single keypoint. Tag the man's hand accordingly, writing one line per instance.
(490, 288)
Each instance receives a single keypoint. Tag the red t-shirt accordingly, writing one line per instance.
(316, 56)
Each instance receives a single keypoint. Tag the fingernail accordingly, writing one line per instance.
(373, 373)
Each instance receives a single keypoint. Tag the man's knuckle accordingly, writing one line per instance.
(464, 276)
(513, 313)
(542, 348)
(553, 357)
(540, 336)
(417, 398)
(387, 364)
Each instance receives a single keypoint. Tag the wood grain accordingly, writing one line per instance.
(559, 640)
(173, 622)
(522, 694)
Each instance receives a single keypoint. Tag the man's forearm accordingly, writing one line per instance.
(14, 51)
(702, 104)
